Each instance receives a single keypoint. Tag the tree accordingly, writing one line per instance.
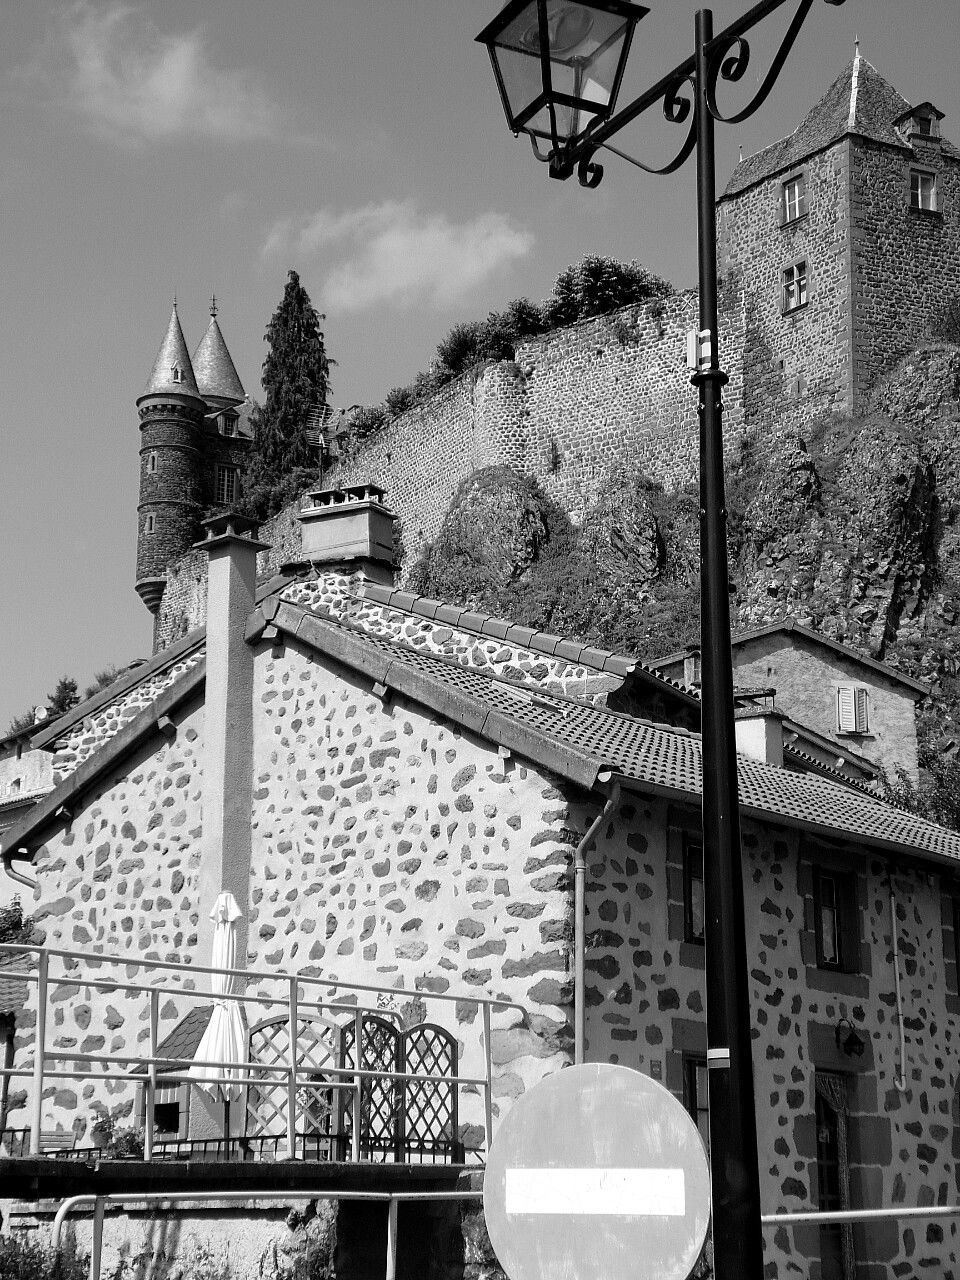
(596, 285)
(936, 794)
(296, 382)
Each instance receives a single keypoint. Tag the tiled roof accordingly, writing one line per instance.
(214, 368)
(592, 740)
(183, 1040)
(860, 101)
(172, 355)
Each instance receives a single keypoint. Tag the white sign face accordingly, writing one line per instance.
(597, 1173)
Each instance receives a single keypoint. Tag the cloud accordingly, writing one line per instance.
(394, 253)
(111, 66)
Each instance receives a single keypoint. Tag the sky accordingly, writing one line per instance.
(191, 147)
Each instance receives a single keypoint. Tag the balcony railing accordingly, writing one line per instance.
(324, 1077)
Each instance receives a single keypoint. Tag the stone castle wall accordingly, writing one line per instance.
(795, 365)
(907, 261)
(575, 404)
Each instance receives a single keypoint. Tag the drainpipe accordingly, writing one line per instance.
(16, 875)
(579, 922)
(900, 1079)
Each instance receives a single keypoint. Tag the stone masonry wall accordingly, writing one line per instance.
(582, 401)
(811, 343)
(645, 1009)
(393, 849)
(120, 879)
(906, 261)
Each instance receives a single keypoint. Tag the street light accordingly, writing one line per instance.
(547, 56)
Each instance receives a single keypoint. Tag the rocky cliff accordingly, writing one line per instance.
(852, 526)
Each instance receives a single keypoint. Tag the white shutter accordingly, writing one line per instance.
(846, 710)
(860, 698)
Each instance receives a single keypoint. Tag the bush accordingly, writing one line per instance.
(23, 1259)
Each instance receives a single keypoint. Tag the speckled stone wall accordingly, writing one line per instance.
(95, 730)
(646, 1010)
(119, 878)
(396, 850)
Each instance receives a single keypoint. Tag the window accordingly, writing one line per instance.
(166, 1118)
(833, 1174)
(835, 920)
(226, 485)
(852, 709)
(150, 524)
(925, 126)
(177, 373)
(152, 461)
(695, 1094)
(794, 199)
(923, 191)
(692, 669)
(693, 917)
(228, 424)
(795, 286)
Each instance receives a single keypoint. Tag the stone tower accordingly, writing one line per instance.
(171, 413)
(840, 242)
(193, 436)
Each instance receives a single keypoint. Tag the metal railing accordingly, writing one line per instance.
(152, 1071)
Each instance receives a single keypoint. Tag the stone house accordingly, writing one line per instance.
(397, 792)
(864, 710)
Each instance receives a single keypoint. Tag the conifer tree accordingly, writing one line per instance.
(295, 381)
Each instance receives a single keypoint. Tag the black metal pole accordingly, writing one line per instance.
(737, 1240)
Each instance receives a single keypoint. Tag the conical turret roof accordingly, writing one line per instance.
(216, 373)
(860, 101)
(172, 370)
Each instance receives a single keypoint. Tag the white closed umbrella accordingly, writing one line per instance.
(224, 1039)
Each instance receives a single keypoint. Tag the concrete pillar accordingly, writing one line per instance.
(228, 724)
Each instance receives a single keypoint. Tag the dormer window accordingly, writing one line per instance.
(228, 424)
(922, 121)
(177, 373)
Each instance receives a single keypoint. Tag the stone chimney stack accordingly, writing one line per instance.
(228, 723)
(760, 734)
(350, 528)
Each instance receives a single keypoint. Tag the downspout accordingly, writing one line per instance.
(579, 922)
(900, 1079)
(16, 875)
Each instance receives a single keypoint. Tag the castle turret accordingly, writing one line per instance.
(226, 433)
(171, 411)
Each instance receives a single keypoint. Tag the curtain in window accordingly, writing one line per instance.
(833, 1090)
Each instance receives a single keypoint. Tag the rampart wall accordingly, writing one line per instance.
(572, 408)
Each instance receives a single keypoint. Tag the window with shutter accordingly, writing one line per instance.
(852, 709)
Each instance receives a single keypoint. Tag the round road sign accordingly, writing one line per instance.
(597, 1173)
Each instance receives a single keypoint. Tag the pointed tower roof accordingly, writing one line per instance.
(172, 370)
(216, 373)
(860, 101)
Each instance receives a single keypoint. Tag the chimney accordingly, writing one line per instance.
(759, 733)
(228, 723)
(350, 528)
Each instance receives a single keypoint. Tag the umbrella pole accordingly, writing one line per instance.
(226, 1125)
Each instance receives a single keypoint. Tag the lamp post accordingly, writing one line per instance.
(558, 66)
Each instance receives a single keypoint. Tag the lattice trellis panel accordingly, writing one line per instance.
(430, 1108)
(381, 1109)
(266, 1110)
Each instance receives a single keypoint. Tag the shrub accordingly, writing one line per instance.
(23, 1259)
